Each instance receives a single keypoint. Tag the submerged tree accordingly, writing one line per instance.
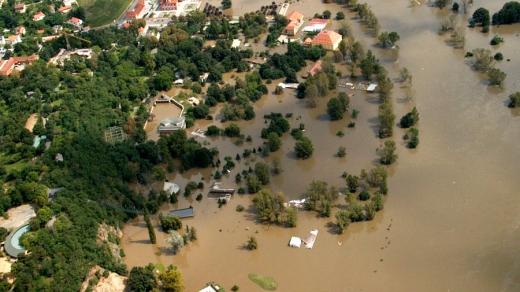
(387, 154)
(514, 100)
(171, 280)
(304, 148)
(251, 243)
(409, 119)
(175, 240)
(388, 39)
(496, 76)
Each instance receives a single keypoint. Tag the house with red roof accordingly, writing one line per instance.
(167, 4)
(328, 39)
(295, 22)
(75, 22)
(137, 11)
(38, 16)
(7, 66)
(20, 8)
(315, 68)
(64, 9)
(21, 30)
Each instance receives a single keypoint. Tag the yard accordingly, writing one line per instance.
(102, 12)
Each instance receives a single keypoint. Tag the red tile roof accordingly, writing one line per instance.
(327, 38)
(6, 67)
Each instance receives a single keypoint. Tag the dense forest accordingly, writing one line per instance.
(76, 104)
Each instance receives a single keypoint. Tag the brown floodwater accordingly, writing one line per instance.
(159, 112)
(451, 221)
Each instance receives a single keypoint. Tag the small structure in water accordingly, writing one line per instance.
(371, 87)
(171, 188)
(211, 288)
(308, 242)
(183, 213)
(169, 125)
(217, 190)
(295, 242)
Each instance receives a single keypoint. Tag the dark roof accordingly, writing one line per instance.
(183, 213)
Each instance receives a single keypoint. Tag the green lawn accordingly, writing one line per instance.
(101, 12)
(266, 283)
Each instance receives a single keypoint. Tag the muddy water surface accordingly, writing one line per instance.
(451, 221)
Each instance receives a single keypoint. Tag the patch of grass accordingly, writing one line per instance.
(101, 12)
(265, 282)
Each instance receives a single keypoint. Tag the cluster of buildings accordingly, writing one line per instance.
(64, 55)
(10, 38)
(7, 67)
(329, 39)
(157, 14)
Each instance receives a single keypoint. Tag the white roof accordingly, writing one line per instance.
(178, 81)
(315, 27)
(235, 43)
(371, 87)
(288, 85)
(295, 242)
(208, 288)
(171, 188)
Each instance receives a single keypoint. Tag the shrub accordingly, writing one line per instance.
(170, 222)
(342, 152)
(251, 243)
(232, 130)
(240, 208)
(496, 40)
(412, 138)
(496, 76)
(212, 131)
(514, 100)
(409, 119)
(364, 196)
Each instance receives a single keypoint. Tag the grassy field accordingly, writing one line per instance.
(101, 12)
(266, 283)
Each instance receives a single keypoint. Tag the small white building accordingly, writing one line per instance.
(235, 44)
(371, 87)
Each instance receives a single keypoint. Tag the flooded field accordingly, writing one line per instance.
(159, 112)
(452, 219)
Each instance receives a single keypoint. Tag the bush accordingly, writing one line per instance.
(364, 196)
(240, 208)
(251, 243)
(510, 13)
(170, 222)
(212, 131)
(342, 152)
(304, 148)
(496, 76)
(142, 279)
(498, 57)
(340, 15)
(409, 119)
(514, 100)
(412, 138)
(232, 130)
(496, 40)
